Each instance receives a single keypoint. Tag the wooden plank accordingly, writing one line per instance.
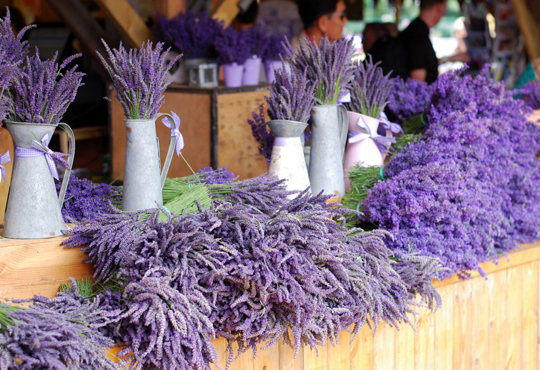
(497, 333)
(530, 316)
(312, 361)
(462, 325)
(38, 267)
(127, 20)
(443, 331)
(168, 8)
(194, 113)
(237, 148)
(267, 359)
(220, 346)
(404, 346)
(528, 28)
(244, 362)
(383, 348)
(480, 324)
(6, 144)
(523, 254)
(514, 305)
(226, 11)
(287, 361)
(339, 356)
(424, 340)
(362, 349)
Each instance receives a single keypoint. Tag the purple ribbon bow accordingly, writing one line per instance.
(344, 98)
(394, 127)
(382, 142)
(4, 158)
(42, 148)
(175, 132)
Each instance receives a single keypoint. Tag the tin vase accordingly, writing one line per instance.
(143, 176)
(33, 207)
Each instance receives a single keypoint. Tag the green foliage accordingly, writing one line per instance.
(5, 319)
(415, 125)
(402, 141)
(85, 287)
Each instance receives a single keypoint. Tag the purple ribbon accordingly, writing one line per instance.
(394, 127)
(345, 98)
(175, 132)
(42, 148)
(382, 142)
(4, 158)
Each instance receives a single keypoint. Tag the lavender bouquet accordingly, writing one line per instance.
(42, 90)
(262, 135)
(530, 93)
(370, 89)
(329, 67)
(232, 46)
(139, 78)
(408, 99)
(12, 48)
(194, 36)
(291, 98)
(257, 38)
(275, 47)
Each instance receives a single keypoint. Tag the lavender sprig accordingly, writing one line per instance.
(139, 78)
(12, 48)
(275, 47)
(329, 66)
(370, 89)
(291, 98)
(262, 134)
(41, 91)
(232, 46)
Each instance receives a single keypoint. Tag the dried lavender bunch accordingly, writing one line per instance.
(60, 333)
(257, 38)
(190, 34)
(139, 78)
(408, 99)
(41, 91)
(276, 47)
(370, 89)
(262, 134)
(7, 72)
(329, 66)
(232, 46)
(85, 200)
(12, 48)
(291, 98)
(530, 93)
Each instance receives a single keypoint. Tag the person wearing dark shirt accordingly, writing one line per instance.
(381, 42)
(422, 63)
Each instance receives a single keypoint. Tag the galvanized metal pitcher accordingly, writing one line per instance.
(33, 207)
(287, 161)
(143, 177)
(328, 141)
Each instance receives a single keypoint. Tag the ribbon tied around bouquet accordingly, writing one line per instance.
(40, 148)
(391, 126)
(4, 158)
(175, 132)
(382, 142)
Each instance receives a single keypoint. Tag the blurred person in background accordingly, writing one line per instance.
(320, 18)
(380, 40)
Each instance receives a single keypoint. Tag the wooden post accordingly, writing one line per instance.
(398, 11)
(128, 22)
(168, 8)
(528, 28)
(226, 11)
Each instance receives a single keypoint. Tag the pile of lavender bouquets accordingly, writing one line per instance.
(530, 93)
(467, 191)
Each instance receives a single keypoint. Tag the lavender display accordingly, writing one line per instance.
(408, 98)
(189, 34)
(329, 67)
(530, 93)
(139, 78)
(257, 38)
(263, 264)
(291, 98)
(262, 134)
(232, 46)
(275, 47)
(370, 89)
(41, 91)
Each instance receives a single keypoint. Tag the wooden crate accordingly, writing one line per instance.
(483, 324)
(214, 126)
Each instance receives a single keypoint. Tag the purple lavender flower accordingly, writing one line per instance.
(257, 38)
(12, 48)
(530, 93)
(139, 78)
(291, 97)
(275, 47)
(232, 46)
(329, 66)
(370, 89)
(38, 95)
(210, 176)
(194, 36)
(262, 134)
(408, 99)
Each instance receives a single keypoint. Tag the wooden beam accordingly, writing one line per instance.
(127, 20)
(168, 8)
(528, 28)
(80, 22)
(226, 11)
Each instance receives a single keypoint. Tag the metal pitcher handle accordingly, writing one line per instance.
(343, 124)
(170, 153)
(67, 173)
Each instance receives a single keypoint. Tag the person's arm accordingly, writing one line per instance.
(419, 74)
